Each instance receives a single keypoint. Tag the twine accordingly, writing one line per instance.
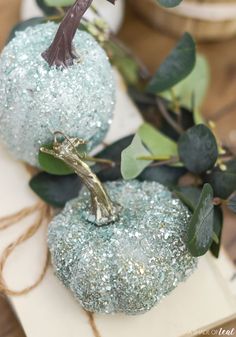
(92, 324)
(45, 214)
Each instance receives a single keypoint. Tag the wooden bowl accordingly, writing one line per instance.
(205, 19)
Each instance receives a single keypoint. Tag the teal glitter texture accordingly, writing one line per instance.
(36, 100)
(127, 266)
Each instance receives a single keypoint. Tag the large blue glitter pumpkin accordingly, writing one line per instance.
(36, 99)
(131, 264)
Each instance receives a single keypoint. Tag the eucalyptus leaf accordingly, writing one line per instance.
(200, 230)
(123, 61)
(157, 143)
(231, 202)
(191, 91)
(223, 182)
(141, 98)
(131, 166)
(218, 226)
(112, 152)
(198, 118)
(53, 165)
(189, 195)
(184, 119)
(59, 3)
(25, 24)
(56, 190)
(215, 238)
(165, 175)
(198, 149)
(47, 10)
(147, 104)
(169, 3)
(178, 65)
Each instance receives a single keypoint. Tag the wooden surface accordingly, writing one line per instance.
(152, 46)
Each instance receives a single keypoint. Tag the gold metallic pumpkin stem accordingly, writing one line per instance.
(104, 211)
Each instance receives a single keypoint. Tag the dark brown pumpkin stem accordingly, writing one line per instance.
(61, 52)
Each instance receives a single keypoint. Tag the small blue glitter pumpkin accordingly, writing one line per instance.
(123, 256)
(36, 99)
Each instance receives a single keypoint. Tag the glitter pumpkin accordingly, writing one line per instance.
(36, 99)
(128, 263)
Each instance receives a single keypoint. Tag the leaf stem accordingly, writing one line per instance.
(168, 117)
(100, 160)
(176, 106)
(154, 158)
(173, 160)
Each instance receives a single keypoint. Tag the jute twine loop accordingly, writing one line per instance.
(92, 323)
(44, 215)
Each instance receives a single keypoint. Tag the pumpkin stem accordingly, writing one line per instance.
(61, 52)
(104, 211)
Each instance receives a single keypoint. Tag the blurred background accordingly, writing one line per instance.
(151, 32)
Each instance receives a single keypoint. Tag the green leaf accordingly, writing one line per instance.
(231, 202)
(200, 231)
(123, 61)
(189, 195)
(218, 226)
(165, 175)
(215, 238)
(176, 66)
(53, 165)
(169, 3)
(223, 182)
(198, 118)
(191, 91)
(47, 10)
(148, 105)
(156, 142)
(56, 190)
(59, 3)
(198, 149)
(131, 166)
(112, 152)
(25, 24)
